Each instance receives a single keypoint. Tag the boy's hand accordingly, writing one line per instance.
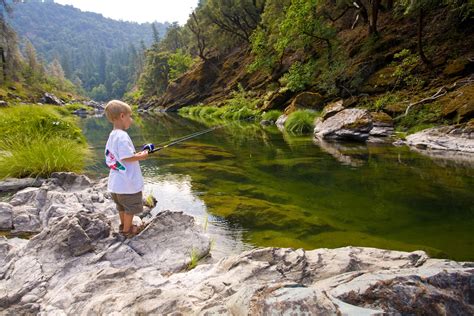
(142, 155)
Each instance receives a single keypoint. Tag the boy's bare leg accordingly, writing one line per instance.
(121, 214)
(127, 222)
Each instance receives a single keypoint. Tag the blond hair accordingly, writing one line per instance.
(114, 108)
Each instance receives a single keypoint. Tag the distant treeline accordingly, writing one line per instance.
(99, 55)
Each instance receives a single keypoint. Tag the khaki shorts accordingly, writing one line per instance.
(129, 203)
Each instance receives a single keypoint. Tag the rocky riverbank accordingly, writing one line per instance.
(76, 264)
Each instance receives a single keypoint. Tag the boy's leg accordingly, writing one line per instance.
(122, 216)
(127, 222)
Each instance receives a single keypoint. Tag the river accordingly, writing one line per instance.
(253, 186)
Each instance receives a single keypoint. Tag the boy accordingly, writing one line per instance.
(125, 177)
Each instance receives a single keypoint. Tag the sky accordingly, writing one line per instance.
(138, 10)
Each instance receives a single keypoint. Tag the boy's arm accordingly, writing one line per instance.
(142, 155)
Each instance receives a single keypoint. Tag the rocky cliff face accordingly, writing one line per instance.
(77, 265)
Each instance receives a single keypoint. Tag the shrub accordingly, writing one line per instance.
(300, 122)
(405, 69)
(383, 101)
(299, 76)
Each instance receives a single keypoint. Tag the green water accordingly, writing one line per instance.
(263, 187)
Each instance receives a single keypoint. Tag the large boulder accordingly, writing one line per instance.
(306, 100)
(348, 124)
(49, 98)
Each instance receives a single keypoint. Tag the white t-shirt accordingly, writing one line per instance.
(124, 177)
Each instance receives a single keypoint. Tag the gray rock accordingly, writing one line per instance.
(49, 98)
(6, 216)
(74, 266)
(332, 109)
(280, 122)
(13, 184)
(348, 124)
(3, 104)
(452, 138)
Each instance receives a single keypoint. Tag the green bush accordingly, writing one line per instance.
(272, 115)
(301, 122)
(37, 141)
(405, 69)
(241, 98)
(299, 76)
(383, 101)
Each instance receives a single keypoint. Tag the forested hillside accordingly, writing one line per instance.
(98, 54)
(380, 54)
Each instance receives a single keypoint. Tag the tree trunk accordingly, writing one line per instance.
(4, 64)
(420, 37)
(374, 16)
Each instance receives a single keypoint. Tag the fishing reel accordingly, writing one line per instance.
(149, 147)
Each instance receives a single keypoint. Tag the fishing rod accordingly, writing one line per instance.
(151, 147)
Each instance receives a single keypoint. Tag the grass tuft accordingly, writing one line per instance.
(301, 122)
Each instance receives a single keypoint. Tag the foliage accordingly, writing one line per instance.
(421, 118)
(179, 62)
(241, 98)
(265, 36)
(38, 141)
(300, 122)
(155, 76)
(272, 115)
(405, 67)
(383, 101)
(296, 32)
(299, 76)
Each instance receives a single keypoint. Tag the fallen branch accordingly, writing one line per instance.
(441, 92)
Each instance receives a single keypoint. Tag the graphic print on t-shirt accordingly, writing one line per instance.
(112, 162)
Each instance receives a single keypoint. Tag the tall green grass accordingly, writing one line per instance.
(37, 141)
(272, 115)
(301, 122)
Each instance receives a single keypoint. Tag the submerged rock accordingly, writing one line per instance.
(76, 266)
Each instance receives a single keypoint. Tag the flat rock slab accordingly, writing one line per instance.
(448, 138)
(76, 265)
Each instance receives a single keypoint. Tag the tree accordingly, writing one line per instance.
(419, 8)
(31, 58)
(236, 17)
(155, 76)
(201, 41)
(156, 34)
(173, 39)
(304, 27)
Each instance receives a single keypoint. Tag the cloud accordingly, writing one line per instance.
(138, 10)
